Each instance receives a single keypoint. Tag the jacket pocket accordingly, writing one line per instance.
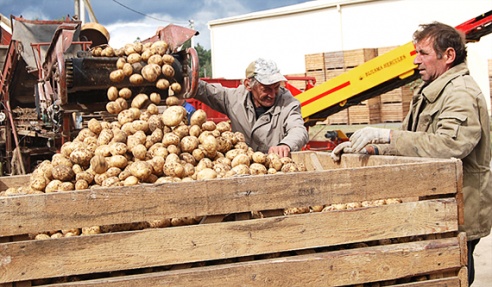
(449, 124)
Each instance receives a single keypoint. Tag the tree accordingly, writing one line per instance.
(204, 59)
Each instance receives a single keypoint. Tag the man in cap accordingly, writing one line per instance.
(261, 109)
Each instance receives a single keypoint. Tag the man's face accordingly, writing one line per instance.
(264, 96)
(430, 66)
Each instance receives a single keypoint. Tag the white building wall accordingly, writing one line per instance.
(287, 34)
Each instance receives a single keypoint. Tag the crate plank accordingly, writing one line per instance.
(337, 268)
(314, 61)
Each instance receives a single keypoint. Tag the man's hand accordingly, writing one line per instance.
(345, 147)
(282, 150)
(369, 135)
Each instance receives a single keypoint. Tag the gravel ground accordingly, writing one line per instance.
(483, 263)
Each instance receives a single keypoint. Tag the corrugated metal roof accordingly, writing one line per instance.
(292, 9)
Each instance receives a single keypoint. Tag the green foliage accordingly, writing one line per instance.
(204, 58)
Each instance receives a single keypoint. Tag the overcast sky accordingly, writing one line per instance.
(128, 19)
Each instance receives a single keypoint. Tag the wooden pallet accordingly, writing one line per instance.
(245, 237)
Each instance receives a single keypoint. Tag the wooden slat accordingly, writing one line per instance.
(137, 249)
(42, 212)
(338, 268)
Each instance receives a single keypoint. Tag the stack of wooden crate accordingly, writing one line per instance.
(328, 65)
(395, 104)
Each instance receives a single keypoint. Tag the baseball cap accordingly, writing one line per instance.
(264, 71)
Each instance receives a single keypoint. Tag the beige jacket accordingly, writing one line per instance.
(281, 124)
(449, 118)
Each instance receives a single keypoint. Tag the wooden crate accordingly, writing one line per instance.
(349, 58)
(244, 237)
(367, 112)
(318, 75)
(384, 50)
(314, 62)
(395, 104)
(339, 118)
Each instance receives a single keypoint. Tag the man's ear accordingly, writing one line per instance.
(450, 55)
(246, 84)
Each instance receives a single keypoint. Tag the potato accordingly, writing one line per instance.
(38, 182)
(141, 125)
(119, 161)
(189, 143)
(176, 87)
(130, 181)
(134, 58)
(112, 93)
(174, 169)
(151, 72)
(223, 144)
(94, 126)
(139, 101)
(63, 173)
(206, 173)
(155, 59)
(259, 157)
(152, 109)
(120, 62)
(173, 116)
(240, 169)
(173, 149)
(257, 169)
(117, 76)
(172, 101)
(127, 69)
(146, 55)
(111, 181)
(53, 186)
(81, 156)
(125, 93)
(141, 169)
(98, 164)
(168, 59)
(208, 126)
(137, 68)
(240, 159)
(182, 131)
(125, 116)
(139, 151)
(136, 79)
(198, 117)
(168, 71)
(195, 130)
(209, 144)
(162, 84)
(122, 103)
(104, 137)
(155, 122)
(97, 51)
(223, 127)
(113, 108)
(85, 176)
(155, 98)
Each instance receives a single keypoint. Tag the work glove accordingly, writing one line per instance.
(369, 135)
(345, 147)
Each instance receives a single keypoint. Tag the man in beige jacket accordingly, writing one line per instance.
(264, 111)
(448, 118)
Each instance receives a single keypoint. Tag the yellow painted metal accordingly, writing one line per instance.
(396, 63)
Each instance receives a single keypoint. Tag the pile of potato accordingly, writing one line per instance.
(144, 145)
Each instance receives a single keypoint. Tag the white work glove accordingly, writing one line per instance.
(369, 135)
(345, 147)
